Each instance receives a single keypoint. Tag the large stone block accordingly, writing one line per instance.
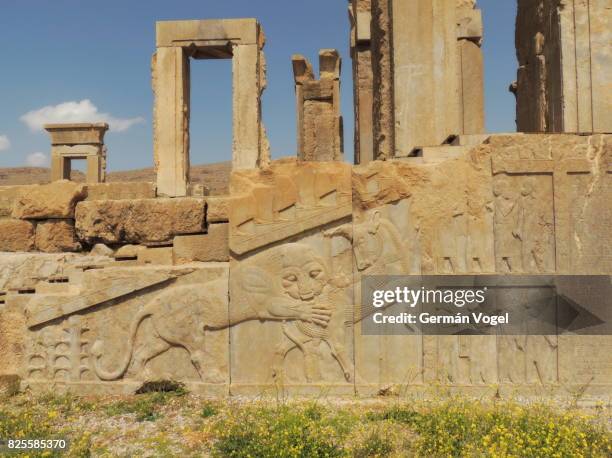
(211, 247)
(8, 196)
(56, 236)
(140, 220)
(217, 209)
(120, 191)
(54, 200)
(16, 235)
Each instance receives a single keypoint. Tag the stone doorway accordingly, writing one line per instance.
(241, 40)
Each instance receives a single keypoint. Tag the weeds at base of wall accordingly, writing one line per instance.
(171, 424)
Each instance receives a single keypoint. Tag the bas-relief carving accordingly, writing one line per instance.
(294, 301)
(314, 344)
(524, 224)
(176, 331)
(286, 200)
(380, 249)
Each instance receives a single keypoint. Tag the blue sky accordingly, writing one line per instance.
(97, 56)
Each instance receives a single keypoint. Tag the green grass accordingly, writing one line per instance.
(177, 424)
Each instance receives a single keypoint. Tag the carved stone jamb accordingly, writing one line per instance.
(360, 16)
(319, 122)
(78, 141)
(241, 40)
(469, 41)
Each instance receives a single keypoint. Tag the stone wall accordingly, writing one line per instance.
(260, 290)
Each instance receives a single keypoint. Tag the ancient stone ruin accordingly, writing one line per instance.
(106, 285)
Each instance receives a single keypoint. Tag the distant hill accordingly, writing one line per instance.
(214, 176)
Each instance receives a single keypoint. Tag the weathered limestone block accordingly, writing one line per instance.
(16, 235)
(54, 200)
(56, 236)
(8, 196)
(287, 199)
(210, 247)
(140, 220)
(318, 108)
(140, 254)
(217, 209)
(100, 249)
(120, 191)
(161, 256)
(128, 252)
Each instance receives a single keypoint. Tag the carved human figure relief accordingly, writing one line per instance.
(509, 214)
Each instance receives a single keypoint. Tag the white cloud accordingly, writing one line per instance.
(67, 112)
(37, 160)
(5, 143)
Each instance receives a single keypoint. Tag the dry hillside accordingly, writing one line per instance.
(214, 176)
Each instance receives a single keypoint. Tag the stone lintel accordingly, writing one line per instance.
(208, 31)
(77, 133)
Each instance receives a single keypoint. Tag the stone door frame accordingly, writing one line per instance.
(241, 40)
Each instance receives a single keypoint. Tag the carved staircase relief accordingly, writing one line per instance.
(288, 199)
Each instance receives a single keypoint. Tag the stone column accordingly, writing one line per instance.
(564, 83)
(250, 146)
(78, 141)
(469, 41)
(318, 108)
(360, 14)
(383, 72)
(170, 69)
(427, 73)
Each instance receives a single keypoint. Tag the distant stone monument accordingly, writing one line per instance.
(78, 141)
